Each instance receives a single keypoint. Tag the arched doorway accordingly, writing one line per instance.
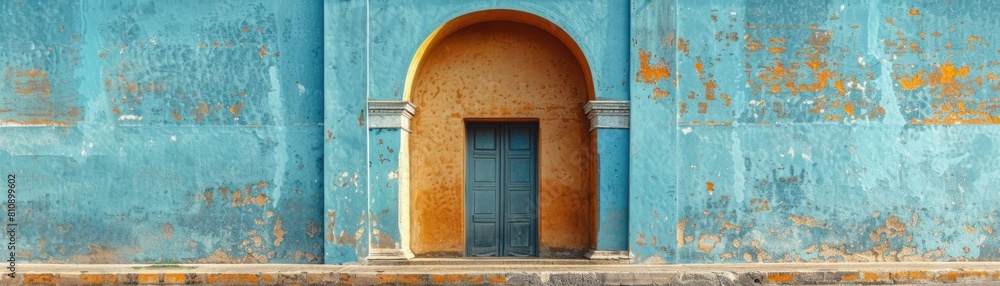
(500, 66)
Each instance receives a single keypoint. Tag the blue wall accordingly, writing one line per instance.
(816, 131)
(148, 131)
(762, 130)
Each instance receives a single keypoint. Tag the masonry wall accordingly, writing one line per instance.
(163, 131)
(761, 131)
(786, 131)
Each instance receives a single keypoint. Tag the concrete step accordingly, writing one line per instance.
(498, 261)
(968, 273)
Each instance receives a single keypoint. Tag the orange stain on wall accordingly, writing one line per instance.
(502, 70)
(31, 82)
(651, 73)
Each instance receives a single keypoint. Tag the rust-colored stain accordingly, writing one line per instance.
(681, 226)
(659, 93)
(40, 279)
(232, 279)
(175, 114)
(805, 220)
(709, 187)
(682, 45)
(849, 108)
(441, 279)
(200, 111)
(780, 277)
(892, 228)
(496, 279)
(31, 82)
(752, 45)
(98, 279)
(776, 50)
(874, 276)
(147, 278)
(914, 12)
(850, 277)
(710, 90)
(410, 279)
(953, 90)
(235, 109)
(473, 279)
(700, 68)
(279, 234)
(361, 118)
(912, 275)
(385, 279)
(503, 70)
(651, 73)
(707, 242)
(263, 51)
(168, 230)
(760, 204)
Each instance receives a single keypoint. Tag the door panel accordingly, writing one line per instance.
(483, 192)
(502, 192)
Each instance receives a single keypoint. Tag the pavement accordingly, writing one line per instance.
(508, 272)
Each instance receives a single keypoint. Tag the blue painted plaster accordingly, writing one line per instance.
(384, 146)
(345, 149)
(761, 130)
(822, 148)
(652, 173)
(106, 172)
(612, 192)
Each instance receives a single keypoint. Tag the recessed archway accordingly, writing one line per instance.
(500, 65)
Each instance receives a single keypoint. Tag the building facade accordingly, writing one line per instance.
(656, 132)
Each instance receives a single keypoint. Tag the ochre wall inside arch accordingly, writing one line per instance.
(502, 71)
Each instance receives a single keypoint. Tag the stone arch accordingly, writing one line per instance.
(500, 65)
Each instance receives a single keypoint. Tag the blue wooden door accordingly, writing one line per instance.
(502, 189)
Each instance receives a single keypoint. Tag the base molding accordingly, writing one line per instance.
(594, 254)
(389, 254)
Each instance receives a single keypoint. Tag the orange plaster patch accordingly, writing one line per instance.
(710, 90)
(913, 82)
(659, 93)
(235, 109)
(780, 277)
(651, 73)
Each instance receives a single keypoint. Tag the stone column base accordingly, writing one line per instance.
(608, 255)
(389, 254)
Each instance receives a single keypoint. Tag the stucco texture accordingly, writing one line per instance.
(500, 71)
(156, 132)
(815, 131)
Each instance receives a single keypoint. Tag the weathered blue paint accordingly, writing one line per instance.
(821, 131)
(653, 155)
(385, 151)
(612, 189)
(345, 149)
(761, 131)
(107, 174)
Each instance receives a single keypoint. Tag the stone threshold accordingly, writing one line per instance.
(982, 273)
